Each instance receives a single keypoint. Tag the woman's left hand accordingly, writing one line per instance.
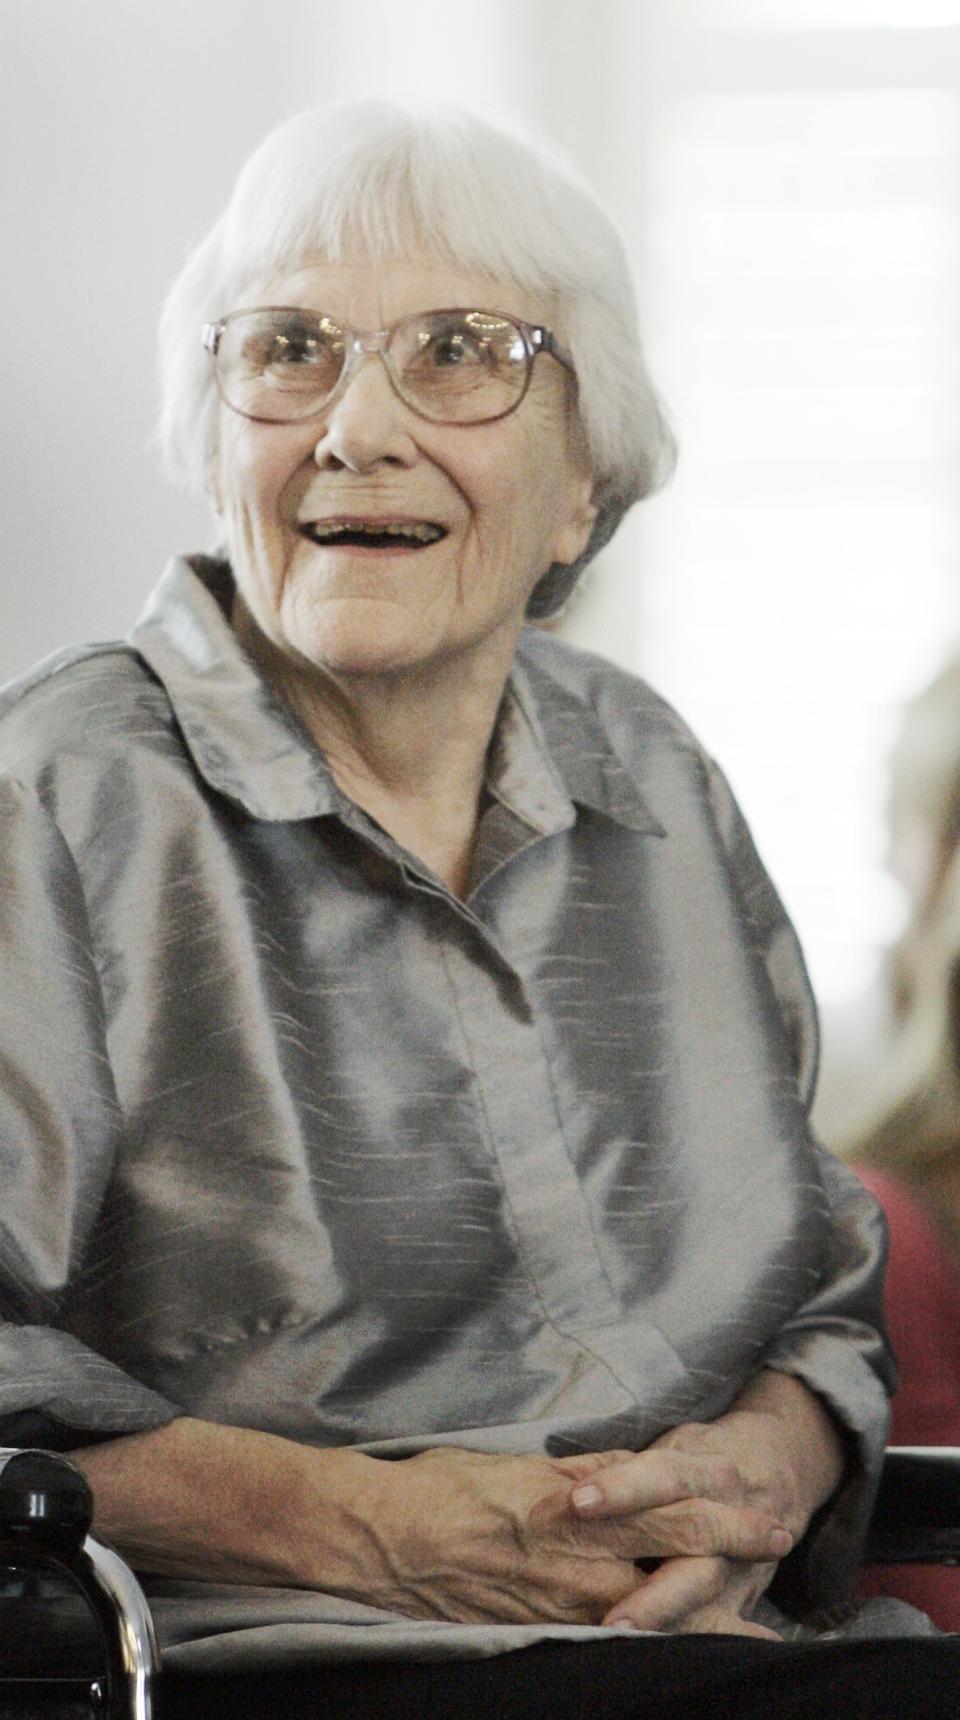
(779, 1452)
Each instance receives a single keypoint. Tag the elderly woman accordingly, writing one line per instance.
(408, 1203)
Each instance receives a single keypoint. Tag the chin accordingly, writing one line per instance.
(351, 647)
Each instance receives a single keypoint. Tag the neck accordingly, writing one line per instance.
(409, 748)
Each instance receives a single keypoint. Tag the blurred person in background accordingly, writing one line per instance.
(924, 821)
(901, 1113)
(923, 829)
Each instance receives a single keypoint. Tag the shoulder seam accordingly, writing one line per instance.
(15, 694)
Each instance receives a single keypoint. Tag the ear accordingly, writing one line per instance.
(576, 524)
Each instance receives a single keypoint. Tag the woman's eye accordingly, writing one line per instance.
(292, 349)
(455, 348)
(284, 346)
(275, 352)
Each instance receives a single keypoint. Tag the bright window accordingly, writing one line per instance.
(819, 14)
(800, 579)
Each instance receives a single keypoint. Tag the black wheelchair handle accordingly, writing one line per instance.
(45, 1497)
(46, 1508)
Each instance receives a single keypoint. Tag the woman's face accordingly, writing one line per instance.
(511, 496)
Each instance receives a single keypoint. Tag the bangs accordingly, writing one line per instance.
(397, 187)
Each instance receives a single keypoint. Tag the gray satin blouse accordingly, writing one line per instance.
(292, 1138)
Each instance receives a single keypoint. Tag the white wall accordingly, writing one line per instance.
(123, 124)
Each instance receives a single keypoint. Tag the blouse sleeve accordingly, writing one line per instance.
(60, 1125)
(835, 1343)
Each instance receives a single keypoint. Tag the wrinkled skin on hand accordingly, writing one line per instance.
(478, 1538)
(707, 1592)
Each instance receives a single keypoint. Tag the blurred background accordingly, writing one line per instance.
(787, 177)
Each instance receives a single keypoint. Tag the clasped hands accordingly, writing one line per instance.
(485, 1538)
(514, 1539)
(717, 1552)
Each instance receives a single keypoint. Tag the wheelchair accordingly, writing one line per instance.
(46, 1511)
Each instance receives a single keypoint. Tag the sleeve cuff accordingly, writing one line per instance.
(822, 1569)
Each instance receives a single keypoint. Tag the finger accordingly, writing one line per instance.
(696, 1595)
(656, 1477)
(680, 1588)
(702, 1528)
(715, 1621)
(585, 1464)
(695, 1528)
(721, 1623)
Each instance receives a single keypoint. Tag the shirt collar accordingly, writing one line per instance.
(549, 752)
(569, 740)
(243, 739)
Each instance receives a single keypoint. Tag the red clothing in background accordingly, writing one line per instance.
(922, 1305)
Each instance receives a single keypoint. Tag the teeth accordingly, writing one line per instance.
(421, 531)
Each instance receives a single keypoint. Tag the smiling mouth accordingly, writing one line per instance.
(372, 534)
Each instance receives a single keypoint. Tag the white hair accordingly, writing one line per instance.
(481, 195)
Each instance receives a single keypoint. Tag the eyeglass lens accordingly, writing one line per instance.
(452, 366)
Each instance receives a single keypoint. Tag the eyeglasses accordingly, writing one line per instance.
(278, 364)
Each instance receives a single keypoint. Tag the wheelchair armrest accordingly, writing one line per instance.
(46, 1508)
(916, 1517)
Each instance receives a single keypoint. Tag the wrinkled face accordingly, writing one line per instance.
(494, 504)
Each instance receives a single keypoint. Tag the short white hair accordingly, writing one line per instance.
(483, 195)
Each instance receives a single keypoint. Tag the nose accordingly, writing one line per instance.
(367, 424)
